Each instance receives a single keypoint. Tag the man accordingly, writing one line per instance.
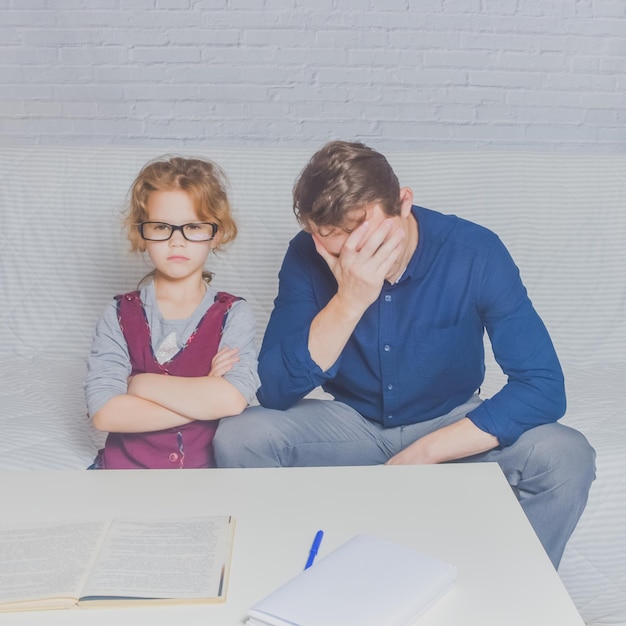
(384, 304)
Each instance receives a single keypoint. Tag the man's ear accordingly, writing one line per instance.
(406, 201)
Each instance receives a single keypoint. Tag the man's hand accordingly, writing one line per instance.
(364, 261)
(360, 268)
(456, 441)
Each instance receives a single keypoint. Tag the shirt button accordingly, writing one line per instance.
(389, 417)
(173, 457)
(389, 387)
(387, 347)
(387, 298)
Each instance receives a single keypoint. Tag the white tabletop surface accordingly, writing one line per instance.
(465, 514)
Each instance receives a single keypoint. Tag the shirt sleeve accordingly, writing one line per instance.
(108, 363)
(239, 332)
(286, 369)
(534, 393)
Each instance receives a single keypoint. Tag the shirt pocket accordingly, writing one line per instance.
(452, 354)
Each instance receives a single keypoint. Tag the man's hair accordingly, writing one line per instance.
(204, 182)
(340, 178)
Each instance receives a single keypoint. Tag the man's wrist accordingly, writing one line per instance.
(347, 309)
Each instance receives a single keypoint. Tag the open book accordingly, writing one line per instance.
(115, 562)
(366, 581)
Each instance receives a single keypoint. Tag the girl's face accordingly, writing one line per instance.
(176, 258)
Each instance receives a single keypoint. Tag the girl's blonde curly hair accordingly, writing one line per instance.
(204, 181)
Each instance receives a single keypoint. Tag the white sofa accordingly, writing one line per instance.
(63, 256)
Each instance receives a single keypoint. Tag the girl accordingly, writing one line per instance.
(171, 359)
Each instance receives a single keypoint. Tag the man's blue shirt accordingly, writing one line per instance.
(417, 352)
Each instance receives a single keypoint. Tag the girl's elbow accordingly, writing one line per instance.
(104, 419)
(239, 404)
(233, 401)
(99, 421)
(233, 405)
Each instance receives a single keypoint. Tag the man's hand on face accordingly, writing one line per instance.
(367, 257)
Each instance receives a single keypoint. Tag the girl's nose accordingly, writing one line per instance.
(177, 238)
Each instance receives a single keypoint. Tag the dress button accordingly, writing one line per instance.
(173, 457)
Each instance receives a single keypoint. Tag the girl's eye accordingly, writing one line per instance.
(161, 226)
(194, 226)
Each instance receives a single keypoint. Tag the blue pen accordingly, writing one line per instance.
(314, 548)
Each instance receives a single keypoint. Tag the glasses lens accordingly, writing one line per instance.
(198, 232)
(156, 231)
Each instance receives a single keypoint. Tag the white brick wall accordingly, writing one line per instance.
(425, 74)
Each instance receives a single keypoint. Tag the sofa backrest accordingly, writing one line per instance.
(63, 254)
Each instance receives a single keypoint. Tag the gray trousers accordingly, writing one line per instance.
(550, 467)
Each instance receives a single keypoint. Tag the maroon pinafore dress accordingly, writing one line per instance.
(187, 446)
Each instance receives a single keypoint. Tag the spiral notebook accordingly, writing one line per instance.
(366, 581)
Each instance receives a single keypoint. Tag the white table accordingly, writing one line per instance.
(462, 513)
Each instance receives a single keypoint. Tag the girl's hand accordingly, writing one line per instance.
(223, 361)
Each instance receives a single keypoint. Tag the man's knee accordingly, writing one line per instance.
(571, 448)
(241, 439)
(562, 452)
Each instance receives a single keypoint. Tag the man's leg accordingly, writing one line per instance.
(311, 433)
(551, 468)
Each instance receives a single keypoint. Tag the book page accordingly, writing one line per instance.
(47, 560)
(186, 558)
